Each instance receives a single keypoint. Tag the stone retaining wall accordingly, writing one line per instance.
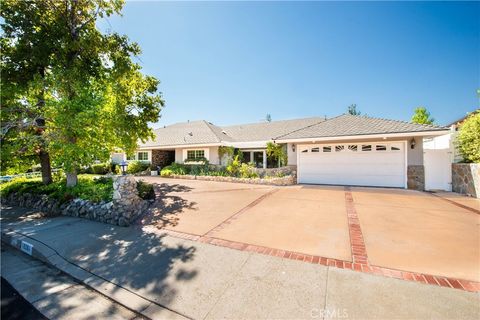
(125, 207)
(466, 178)
(282, 181)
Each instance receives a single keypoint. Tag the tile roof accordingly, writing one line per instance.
(265, 131)
(187, 133)
(349, 125)
(203, 132)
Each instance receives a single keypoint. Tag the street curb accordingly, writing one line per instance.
(112, 291)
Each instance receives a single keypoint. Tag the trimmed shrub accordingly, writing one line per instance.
(174, 168)
(88, 188)
(100, 168)
(145, 190)
(137, 166)
(247, 171)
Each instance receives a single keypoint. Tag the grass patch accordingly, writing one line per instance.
(90, 188)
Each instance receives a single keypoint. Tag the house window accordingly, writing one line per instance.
(380, 147)
(131, 157)
(195, 154)
(395, 148)
(317, 149)
(339, 148)
(366, 147)
(352, 147)
(327, 149)
(142, 156)
(304, 151)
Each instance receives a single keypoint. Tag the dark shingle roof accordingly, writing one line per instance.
(349, 125)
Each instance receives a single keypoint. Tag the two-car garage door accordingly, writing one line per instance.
(360, 164)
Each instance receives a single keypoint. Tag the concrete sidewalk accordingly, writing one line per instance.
(171, 277)
(54, 294)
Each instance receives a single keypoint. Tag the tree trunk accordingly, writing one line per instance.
(46, 167)
(72, 178)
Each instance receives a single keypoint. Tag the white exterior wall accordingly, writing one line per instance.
(292, 155)
(211, 153)
(415, 155)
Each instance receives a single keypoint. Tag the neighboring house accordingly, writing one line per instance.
(345, 150)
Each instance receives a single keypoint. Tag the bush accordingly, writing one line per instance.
(137, 166)
(174, 168)
(101, 168)
(247, 171)
(234, 166)
(468, 139)
(145, 190)
(88, 188)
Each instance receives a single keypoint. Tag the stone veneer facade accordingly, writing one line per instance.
(162, 158)
(416, 177)
(466, 178)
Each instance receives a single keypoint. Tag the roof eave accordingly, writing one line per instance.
(191, 145)
(429, 133)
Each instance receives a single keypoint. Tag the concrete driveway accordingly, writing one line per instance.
(403, 230)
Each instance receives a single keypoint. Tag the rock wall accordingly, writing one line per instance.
(416, 177)
(281, 181)
(466, 178)
(123, 210)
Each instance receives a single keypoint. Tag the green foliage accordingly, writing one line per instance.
(101, 168)
(225, 151)
(422, 116)
(174, 168)
(277, 152)
(202, 160)
(137, 166)
(145, 190)
(233, 167)
(88, 188)
(352, 109)
(57, 65)
(468, 139)
(247, 170)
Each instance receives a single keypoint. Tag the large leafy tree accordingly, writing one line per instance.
(28, 42)
(468, 139)
(98, 98)
(422, 116)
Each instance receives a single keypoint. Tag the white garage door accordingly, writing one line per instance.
(359, 164)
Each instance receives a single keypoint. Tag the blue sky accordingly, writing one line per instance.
(234, 62)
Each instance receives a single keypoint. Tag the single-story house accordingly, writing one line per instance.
(344, 150)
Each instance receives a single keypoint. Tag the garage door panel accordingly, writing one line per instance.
(367, 168)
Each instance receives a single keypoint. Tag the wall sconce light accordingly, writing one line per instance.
(412, 144)
(293, 147)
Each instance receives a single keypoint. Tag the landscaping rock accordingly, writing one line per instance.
(123, 210)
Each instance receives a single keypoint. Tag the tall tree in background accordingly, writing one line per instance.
(28, 44)
(352, 109)
(422, 116)
(98, 99)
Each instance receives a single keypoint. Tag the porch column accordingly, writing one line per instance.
(264, 159)
(251, 157)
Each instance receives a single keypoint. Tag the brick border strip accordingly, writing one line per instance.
(441, 281)
(357, 244)
(456, 203)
